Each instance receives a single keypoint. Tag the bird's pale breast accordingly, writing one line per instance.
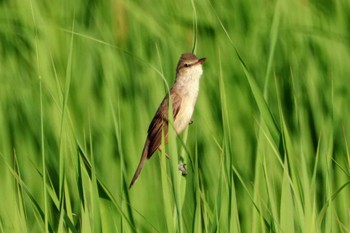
(188, 102)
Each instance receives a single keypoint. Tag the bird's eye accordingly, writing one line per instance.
(187, 65)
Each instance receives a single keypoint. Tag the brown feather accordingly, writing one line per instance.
(142, 162)
(160, 122)
(158, 125)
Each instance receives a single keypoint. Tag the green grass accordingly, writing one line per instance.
(269, 147)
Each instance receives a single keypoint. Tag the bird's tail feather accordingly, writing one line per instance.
(142, 162)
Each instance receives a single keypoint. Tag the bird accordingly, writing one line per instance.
(183, 95)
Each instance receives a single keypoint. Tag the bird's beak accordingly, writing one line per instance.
(201, 60)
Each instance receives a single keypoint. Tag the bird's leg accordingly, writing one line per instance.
(166, 155)
(181, 164)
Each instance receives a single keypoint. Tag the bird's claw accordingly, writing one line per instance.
(182, 168)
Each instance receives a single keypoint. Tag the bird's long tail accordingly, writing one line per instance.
(142, 162)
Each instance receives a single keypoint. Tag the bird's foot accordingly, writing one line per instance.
(183, 169)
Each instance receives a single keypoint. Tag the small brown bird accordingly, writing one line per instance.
(183, 95)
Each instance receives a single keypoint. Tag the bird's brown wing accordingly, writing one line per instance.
(160, 122)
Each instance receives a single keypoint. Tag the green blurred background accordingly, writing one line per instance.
(268, 149)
